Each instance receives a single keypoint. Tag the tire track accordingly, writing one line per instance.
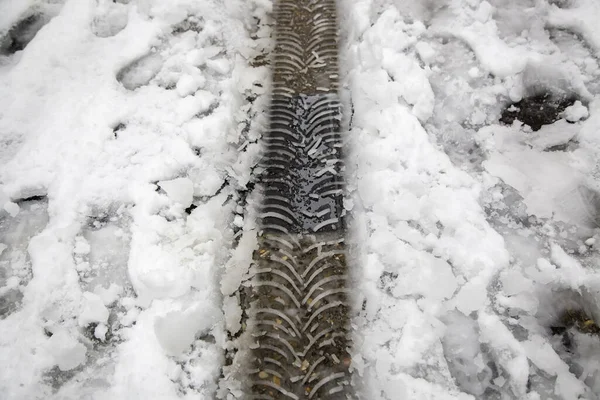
(297, 306)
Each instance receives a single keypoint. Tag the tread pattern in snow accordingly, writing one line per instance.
(298, 308)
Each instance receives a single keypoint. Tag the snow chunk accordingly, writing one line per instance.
(426, 52)
(177, 330)
(180, 190)
(188, 84)
(417, 90)
(207, 180)
(427, 276)
(82, 246)
(68, 352)
(471, 297)
(513, 282)
(484, 12)
(198, 57)
(157, 274)
(220, 65)
(545, 358)
(109, 295)
(100, 332)
(233, 314)
(554, 134)
(508, 350)
(233, 279)
(93, 311)
(576, 112)
(11, 208)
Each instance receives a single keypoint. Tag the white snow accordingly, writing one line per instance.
(188, 84)
(126, 129)
(68, 352)
(110, 115)
(93, 310)
(180, 190)
(11, 208)
(176, 330)
(108, 295)
(576, 112)
(419, 217)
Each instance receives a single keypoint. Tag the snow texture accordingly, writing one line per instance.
(120, 125)
(129, 132)
(470, 237)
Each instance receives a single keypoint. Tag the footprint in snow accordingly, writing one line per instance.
(110, 20)
(101, 253)
(21, 33)
(30, 217)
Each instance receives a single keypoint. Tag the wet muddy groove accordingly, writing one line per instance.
(297, 304)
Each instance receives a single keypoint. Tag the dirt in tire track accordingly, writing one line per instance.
(296, 306)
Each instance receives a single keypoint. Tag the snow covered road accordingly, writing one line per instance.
(129, 135)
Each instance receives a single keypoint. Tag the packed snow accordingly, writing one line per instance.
(129, 135)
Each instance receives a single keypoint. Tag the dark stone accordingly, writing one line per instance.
(537, 111)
